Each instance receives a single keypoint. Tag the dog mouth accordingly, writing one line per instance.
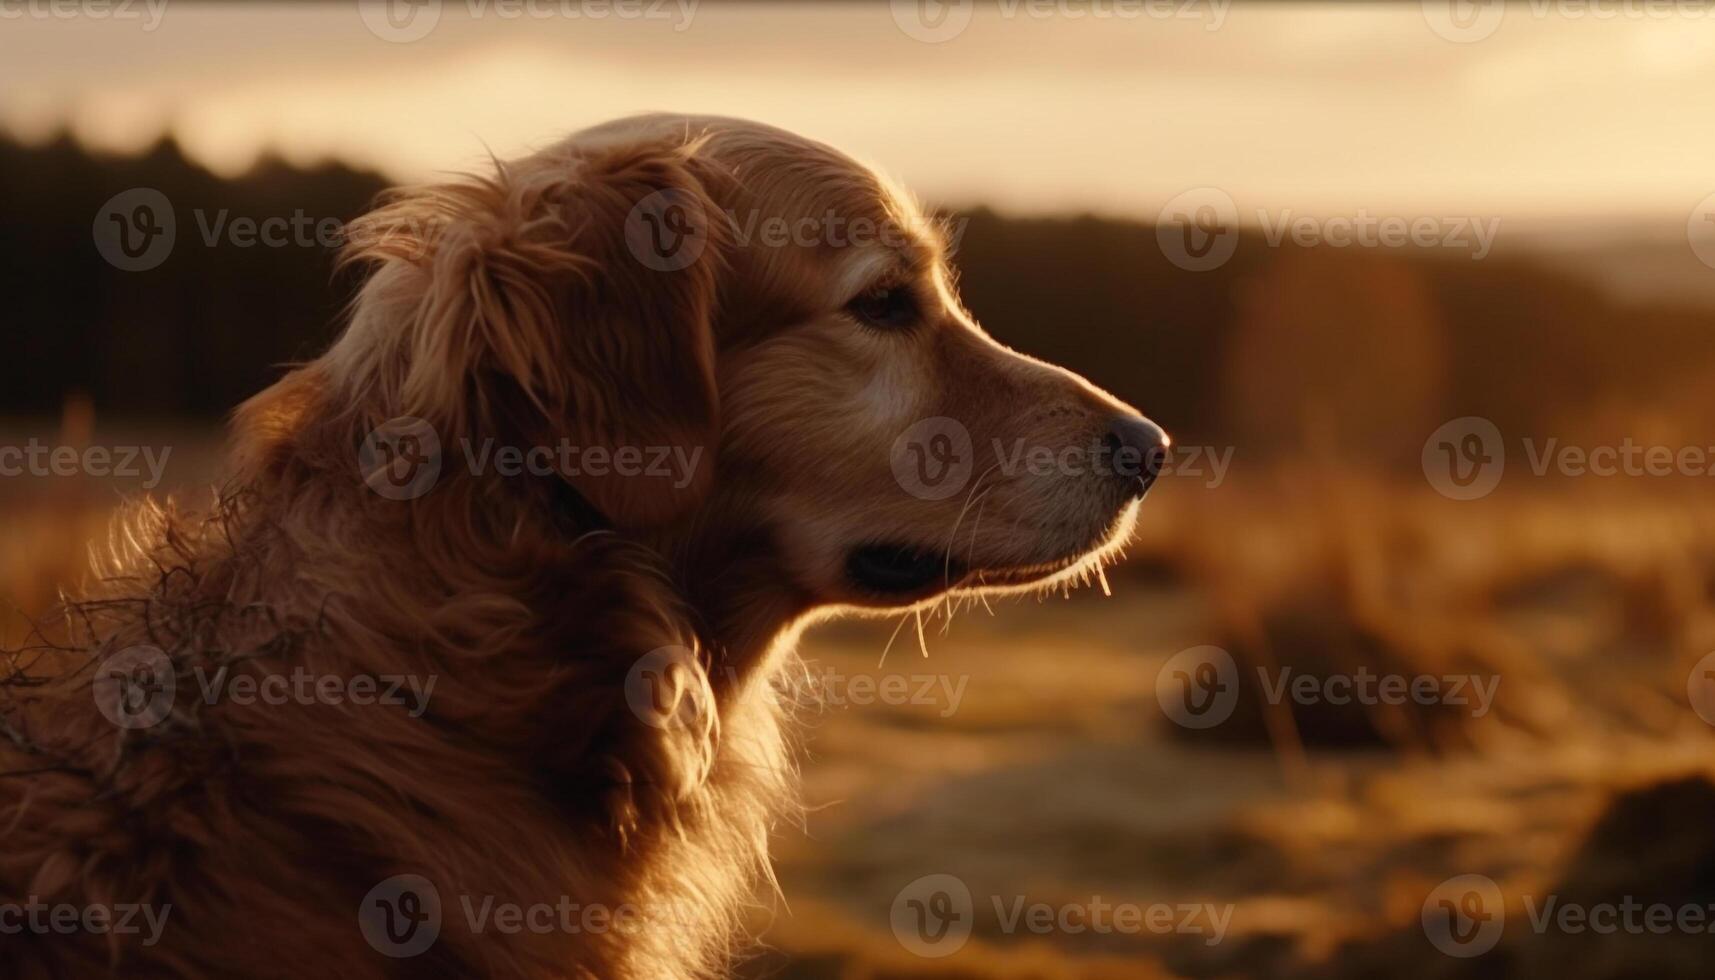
(894, 572)
(901, 571)
(898, 572)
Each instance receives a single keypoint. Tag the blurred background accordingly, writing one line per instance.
(1424, 291)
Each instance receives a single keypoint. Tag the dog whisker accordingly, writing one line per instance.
(904, 617)
(947, 563)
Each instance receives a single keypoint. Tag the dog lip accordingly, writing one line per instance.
(901, 570)
(1019, 574)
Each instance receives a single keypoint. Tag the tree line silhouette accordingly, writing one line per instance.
(1365, 349)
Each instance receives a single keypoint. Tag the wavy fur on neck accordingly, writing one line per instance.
(529, 778)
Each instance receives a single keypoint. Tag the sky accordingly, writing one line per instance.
(1537, 110)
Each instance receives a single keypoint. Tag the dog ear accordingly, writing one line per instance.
(567, 303)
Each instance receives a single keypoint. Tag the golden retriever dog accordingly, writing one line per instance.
(465, 672)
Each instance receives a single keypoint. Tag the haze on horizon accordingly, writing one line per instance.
(1317, 109)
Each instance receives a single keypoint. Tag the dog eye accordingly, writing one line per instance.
(891, 308)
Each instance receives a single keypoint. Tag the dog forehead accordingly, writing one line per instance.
(780, 173)
(843, 203)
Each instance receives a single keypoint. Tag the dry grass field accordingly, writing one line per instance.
(1059, 778)
(1026, 749)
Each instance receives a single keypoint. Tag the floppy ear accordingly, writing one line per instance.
(566, 303)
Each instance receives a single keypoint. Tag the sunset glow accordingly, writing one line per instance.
(1318, 110)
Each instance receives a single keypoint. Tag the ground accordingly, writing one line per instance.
(1030, 751)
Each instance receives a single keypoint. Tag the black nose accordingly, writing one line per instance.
(1136, 450)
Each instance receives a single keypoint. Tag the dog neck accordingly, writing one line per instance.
(731, 574)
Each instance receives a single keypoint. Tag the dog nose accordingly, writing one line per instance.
(1137, 450)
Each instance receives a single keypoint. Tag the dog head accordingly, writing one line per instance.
(760, 342)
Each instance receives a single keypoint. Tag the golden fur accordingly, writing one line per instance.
(509, 307)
